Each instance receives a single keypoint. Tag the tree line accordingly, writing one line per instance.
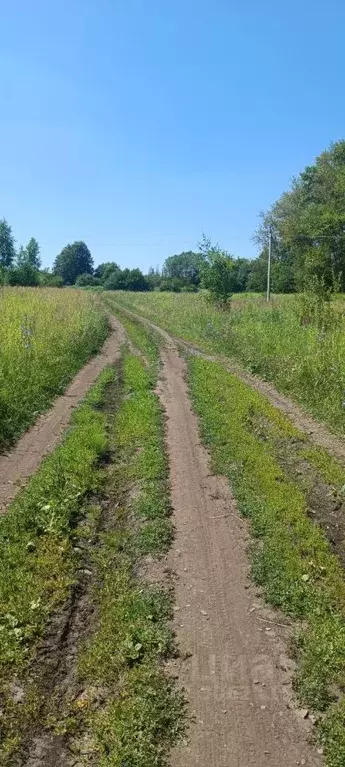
(73, 266)
(22, 266)
(306, 223)
(307, 226)
(308, 229)
(186, 271)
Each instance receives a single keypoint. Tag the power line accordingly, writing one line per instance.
(122, 244)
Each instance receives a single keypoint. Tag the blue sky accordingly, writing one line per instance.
(137, 125)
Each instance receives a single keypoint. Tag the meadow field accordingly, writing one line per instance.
(79, 540)
(293, 342)
(46, 335)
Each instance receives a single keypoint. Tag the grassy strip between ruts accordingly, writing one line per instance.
(252, 443)
(38, 564)
(130, 711)
(143, 715)
(142, 336)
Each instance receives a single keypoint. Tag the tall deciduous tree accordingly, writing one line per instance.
(185, 267)
(308, 221)
(74, 259)
(33, 253)
(103, 271)
(7, 250)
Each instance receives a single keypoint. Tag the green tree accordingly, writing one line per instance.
(50, 280)
(103, 271)
(21, 256)
(112, 282)
(257, 278)
(133, 279)
(87, 280)
(170, 285)
(74, 259)
(185, 267)
(218, 273)
(308, 221)
(282, 274)
(33, 253)
(154, 278)
(127, 279)
(7, 250)
(25, 275)
(26, 270)
(242, 269)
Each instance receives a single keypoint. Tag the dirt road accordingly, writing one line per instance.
(317, 432)
(18, 466)
(234, 665)
(235, 670)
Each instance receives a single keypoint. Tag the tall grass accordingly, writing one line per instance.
(45, 337)
(305, 358)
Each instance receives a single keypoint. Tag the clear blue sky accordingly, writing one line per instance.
(137, 124)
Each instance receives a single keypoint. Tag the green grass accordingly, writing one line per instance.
(144, 713)
(258, 449)
(46, 536)
(46, 335)
(304, 359)
(38, 564)
(142, 337)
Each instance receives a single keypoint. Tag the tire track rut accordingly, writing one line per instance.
(235, 670)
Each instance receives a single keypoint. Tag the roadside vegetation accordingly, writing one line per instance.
(297, 342)
(85, 628)
(293, 495)
(45, 337)
(39, 564)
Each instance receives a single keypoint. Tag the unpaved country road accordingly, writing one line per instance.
(238, 692)
(317, 432)
(18, 466)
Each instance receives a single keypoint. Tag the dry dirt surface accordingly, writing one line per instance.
(233, 663)
(18, 466)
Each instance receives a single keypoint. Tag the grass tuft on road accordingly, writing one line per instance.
(272, 471)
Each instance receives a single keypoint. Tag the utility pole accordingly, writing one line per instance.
(269, 264)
